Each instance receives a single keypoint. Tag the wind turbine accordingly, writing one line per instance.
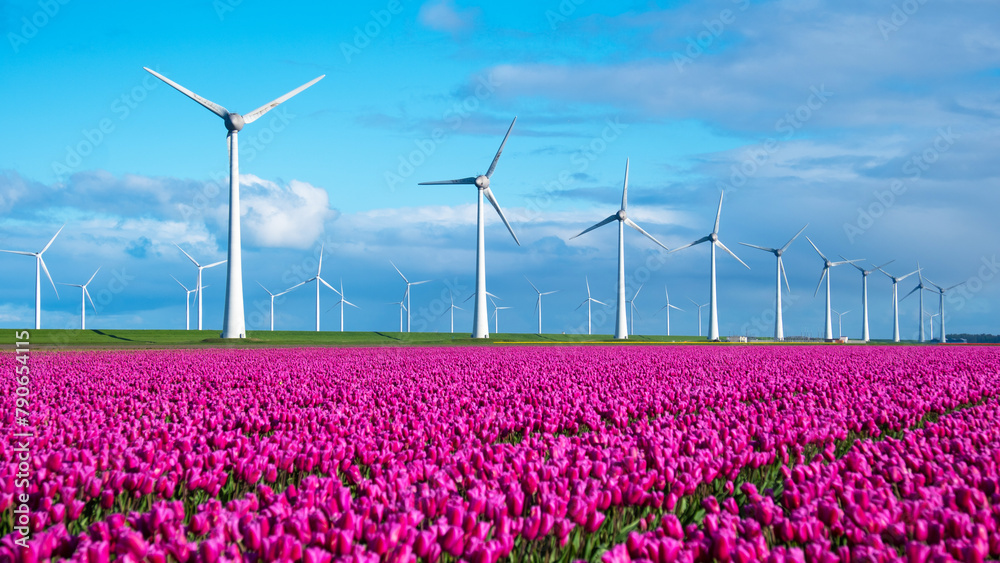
(779, 328)
(864, 296)
(187, 304)
(538, 303)
(713, 309)
(921, 287)
(343, 302)
(827, 264)
(84, 297)
(407, 294)
(480, 322)
(39, 266)
(587, 302)
(318, 278)
(631, 306)
(452, 308)
(199, 287)
(273, 295)
(941, 291)
(234, 323)
(840, 323)
(931, 317)
(402, 307)
(623, 219)
(496, 316)
(668, 307)
(699, 313)
(895, 301)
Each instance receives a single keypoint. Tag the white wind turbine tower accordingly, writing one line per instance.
(668, 307)
(234, 322)
(187, 303)
(921, 287)
(451, 309)
(402, 307)
(407, 294)
(85, 296)
(496, 316)
(39, 267)
(895, 301)
(930, 317)
(273, 296)
(480, 321)
(827, 264)
(623, 219)
(713, 306)
(318, 278)
(840, 323)
(343, 302)
(699, 313)
(538, 303)
(198, 286)
(779, 328)
(864, 296)
(941, 291)
(632, 308)
(587, 302)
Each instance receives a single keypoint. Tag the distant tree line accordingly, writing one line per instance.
(975, 338)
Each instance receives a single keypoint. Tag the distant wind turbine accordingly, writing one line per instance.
(930, 317)
(921, 288)
(895, 300)
(864, 296)
(779, 328)
(234, 323)
(496, 316)
(713, 309)
(538, 303)
(632, 310)
(402, 307)
(39, 267)
(343, 302)
(84, 297)
(408, 284)
(699, 313)
(668, 307)
(623, 219)
(941, 291)
(452, 308)
(198, 286)
(273, 296)
(187, 303)
(480, 321)
(318, 278)
(587, 302)
(827, 265)
(840, 323)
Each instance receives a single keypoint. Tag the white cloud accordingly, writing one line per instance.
(290, 216)
(443, 15)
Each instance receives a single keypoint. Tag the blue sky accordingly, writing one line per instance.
(874, 122)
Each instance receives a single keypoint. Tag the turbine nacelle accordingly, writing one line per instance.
(714, 237)
(779, 252)
(621, 215)
(234, 121)
(482, 182)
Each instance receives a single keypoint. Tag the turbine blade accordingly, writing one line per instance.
(420, 282)
(625, 189)
(532, 285)
(783, 274)
(816, 249)
(214, 264)
(44, 267)
(179, 283)
(598, 225)
(601, 302)
(632, 224)
(18, 252)
(953, 287)
(820, 284)
(758, 247)
(92, 277)
(52, 240)
(699, 241)
(912, 291)
(789, 243)
(489, 195)
(188, 255)
(346, 302)
(637, 291)
(266, 289)
(255, 114)
(899, 279)
(693, 301)
(87, 294)
(586, 280)
(469, 180)
(676, 307)
(581, 304)
(493, 165)
(210, 106)
(550, 292)
(723, 247)
(880, 267)
(401, 275)
(328, 285)
(718, 214)
(851, 262)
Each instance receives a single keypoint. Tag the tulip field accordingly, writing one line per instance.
(606, 454)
